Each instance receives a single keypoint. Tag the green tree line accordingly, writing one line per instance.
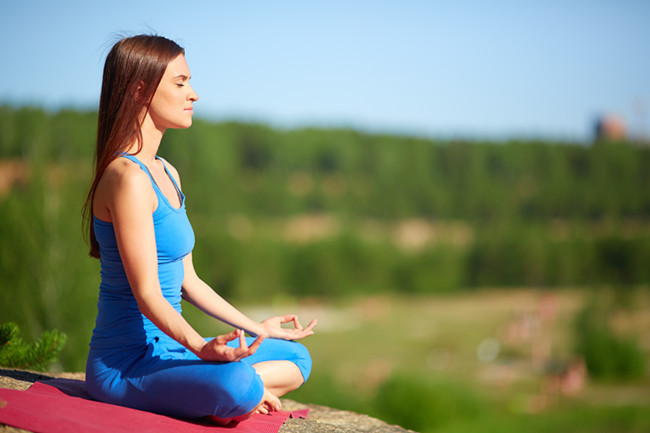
(329, 212)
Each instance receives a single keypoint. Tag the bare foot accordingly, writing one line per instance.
(268, 404)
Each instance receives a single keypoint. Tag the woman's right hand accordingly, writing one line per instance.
(217, 349)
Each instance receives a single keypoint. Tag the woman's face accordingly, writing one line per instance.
(171, 105)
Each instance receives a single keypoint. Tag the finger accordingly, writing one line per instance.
(311, 325)
(299, 334)
(255, 344)
(223, 339)
(309, 329)
(296, 323)
(242, 340)
(288, 318)
(243, 351)
(303, 334)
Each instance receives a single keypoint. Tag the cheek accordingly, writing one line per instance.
(163, 107)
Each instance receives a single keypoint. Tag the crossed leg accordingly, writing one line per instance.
(279, 377)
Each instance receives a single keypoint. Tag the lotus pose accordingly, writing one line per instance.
(143, 354)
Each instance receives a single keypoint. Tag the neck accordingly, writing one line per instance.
(151, 137)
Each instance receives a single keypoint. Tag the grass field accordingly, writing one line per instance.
(500, 355)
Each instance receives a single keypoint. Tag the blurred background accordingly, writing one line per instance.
(460, 193)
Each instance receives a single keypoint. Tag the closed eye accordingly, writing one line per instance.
(182, 80)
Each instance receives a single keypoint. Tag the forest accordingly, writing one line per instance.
(329, 214)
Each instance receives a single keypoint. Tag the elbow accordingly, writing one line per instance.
(187, 296)
(147, 303)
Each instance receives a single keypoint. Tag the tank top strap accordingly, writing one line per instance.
(179, 193)
(144, 168)
(156, 188)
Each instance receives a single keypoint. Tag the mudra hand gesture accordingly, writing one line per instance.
(273, 328)
(217, 349)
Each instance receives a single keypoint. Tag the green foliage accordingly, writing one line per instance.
(588, 419)
(38, 355)
(607, 355)
(419, 403)
(439, 269)
(323, 389)
(425, 404)
(622, 261)
(532, 214)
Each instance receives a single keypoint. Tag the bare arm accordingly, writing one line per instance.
(199, 294)
(130, 200)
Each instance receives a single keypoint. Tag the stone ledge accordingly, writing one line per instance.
(321, 419)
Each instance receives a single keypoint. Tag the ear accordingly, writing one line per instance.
(138, 93)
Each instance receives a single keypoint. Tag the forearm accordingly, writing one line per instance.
(199, 294)
(171, 322)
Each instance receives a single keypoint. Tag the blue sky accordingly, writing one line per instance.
(498, 68)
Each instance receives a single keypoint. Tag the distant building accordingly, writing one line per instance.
(610, 128)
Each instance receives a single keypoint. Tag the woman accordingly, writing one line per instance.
(143, 354)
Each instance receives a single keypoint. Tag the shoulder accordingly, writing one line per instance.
(123, 181)
(124, 174)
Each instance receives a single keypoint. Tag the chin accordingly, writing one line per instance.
(183, 125)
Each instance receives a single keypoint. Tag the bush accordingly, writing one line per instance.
(424, 404)
(607, 355)
(15, 353)
(323, 388)
(599, 419)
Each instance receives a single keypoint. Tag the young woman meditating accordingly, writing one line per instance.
(143, 354)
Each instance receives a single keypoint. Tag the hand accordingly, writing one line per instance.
(217, 350)
(273, 327)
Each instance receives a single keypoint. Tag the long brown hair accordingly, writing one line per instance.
(132, 72)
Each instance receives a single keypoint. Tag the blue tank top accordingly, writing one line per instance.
(119, 324)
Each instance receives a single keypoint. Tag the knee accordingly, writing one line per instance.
(302, 359)
(239, 392)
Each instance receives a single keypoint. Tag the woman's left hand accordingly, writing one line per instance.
(273, 327)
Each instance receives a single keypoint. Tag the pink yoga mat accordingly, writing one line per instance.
(62, 406)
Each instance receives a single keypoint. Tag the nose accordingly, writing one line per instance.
(193, 96)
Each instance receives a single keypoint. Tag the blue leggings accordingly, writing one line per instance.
(171, 380)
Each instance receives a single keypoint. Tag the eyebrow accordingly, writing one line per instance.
(182, 77)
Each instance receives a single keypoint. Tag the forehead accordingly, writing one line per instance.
(177, 67)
